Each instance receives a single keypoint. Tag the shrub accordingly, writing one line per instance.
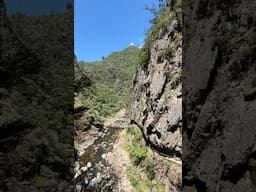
(138, 155)
(139, 152)
(148, 164)
(134, 179)
(166, 15)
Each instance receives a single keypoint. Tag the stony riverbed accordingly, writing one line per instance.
(92, 171)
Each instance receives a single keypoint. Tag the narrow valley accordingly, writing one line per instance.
(128, 113)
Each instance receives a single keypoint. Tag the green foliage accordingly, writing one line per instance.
(111, 79)
(134, 179)
(142, 184)
(139, 153)
(142, 160)
(178, 6)
(168, 10)
(149, 165)
(36, 97)
(137, 150)
(103, 101)
(115, 70)
(138, 182)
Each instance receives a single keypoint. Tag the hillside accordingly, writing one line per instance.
(117, 68)
(112, 82)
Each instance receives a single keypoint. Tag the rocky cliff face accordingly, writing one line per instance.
(157, 107)
(219, 92)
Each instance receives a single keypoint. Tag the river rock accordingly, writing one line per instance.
(84, 169)
(101, 134)
(98, 178)
(78, 188)
(76, 166)
(78, 173)
(103, 156)
(89, 165)
(93, 183)
(86, 181)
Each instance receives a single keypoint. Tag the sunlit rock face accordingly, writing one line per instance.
(157, 106)
(219, 95)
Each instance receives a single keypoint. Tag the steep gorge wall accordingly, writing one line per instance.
(216, 110)
(157, 106)
(219, 93)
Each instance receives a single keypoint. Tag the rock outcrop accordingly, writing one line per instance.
(157, 107)
(219, 100)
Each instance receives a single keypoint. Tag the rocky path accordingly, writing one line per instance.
(119, 121)
(119, 160)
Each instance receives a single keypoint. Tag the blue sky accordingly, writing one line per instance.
(104, 26)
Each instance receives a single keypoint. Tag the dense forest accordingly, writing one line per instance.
(36, 102)
(112, 80)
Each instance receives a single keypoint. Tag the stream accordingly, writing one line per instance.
(101, 146)
(94, 171)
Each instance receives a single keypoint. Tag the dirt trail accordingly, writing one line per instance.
(120, 161)
(120, 120)
(118, 158)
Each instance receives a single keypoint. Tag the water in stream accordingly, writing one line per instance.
(95, 172)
